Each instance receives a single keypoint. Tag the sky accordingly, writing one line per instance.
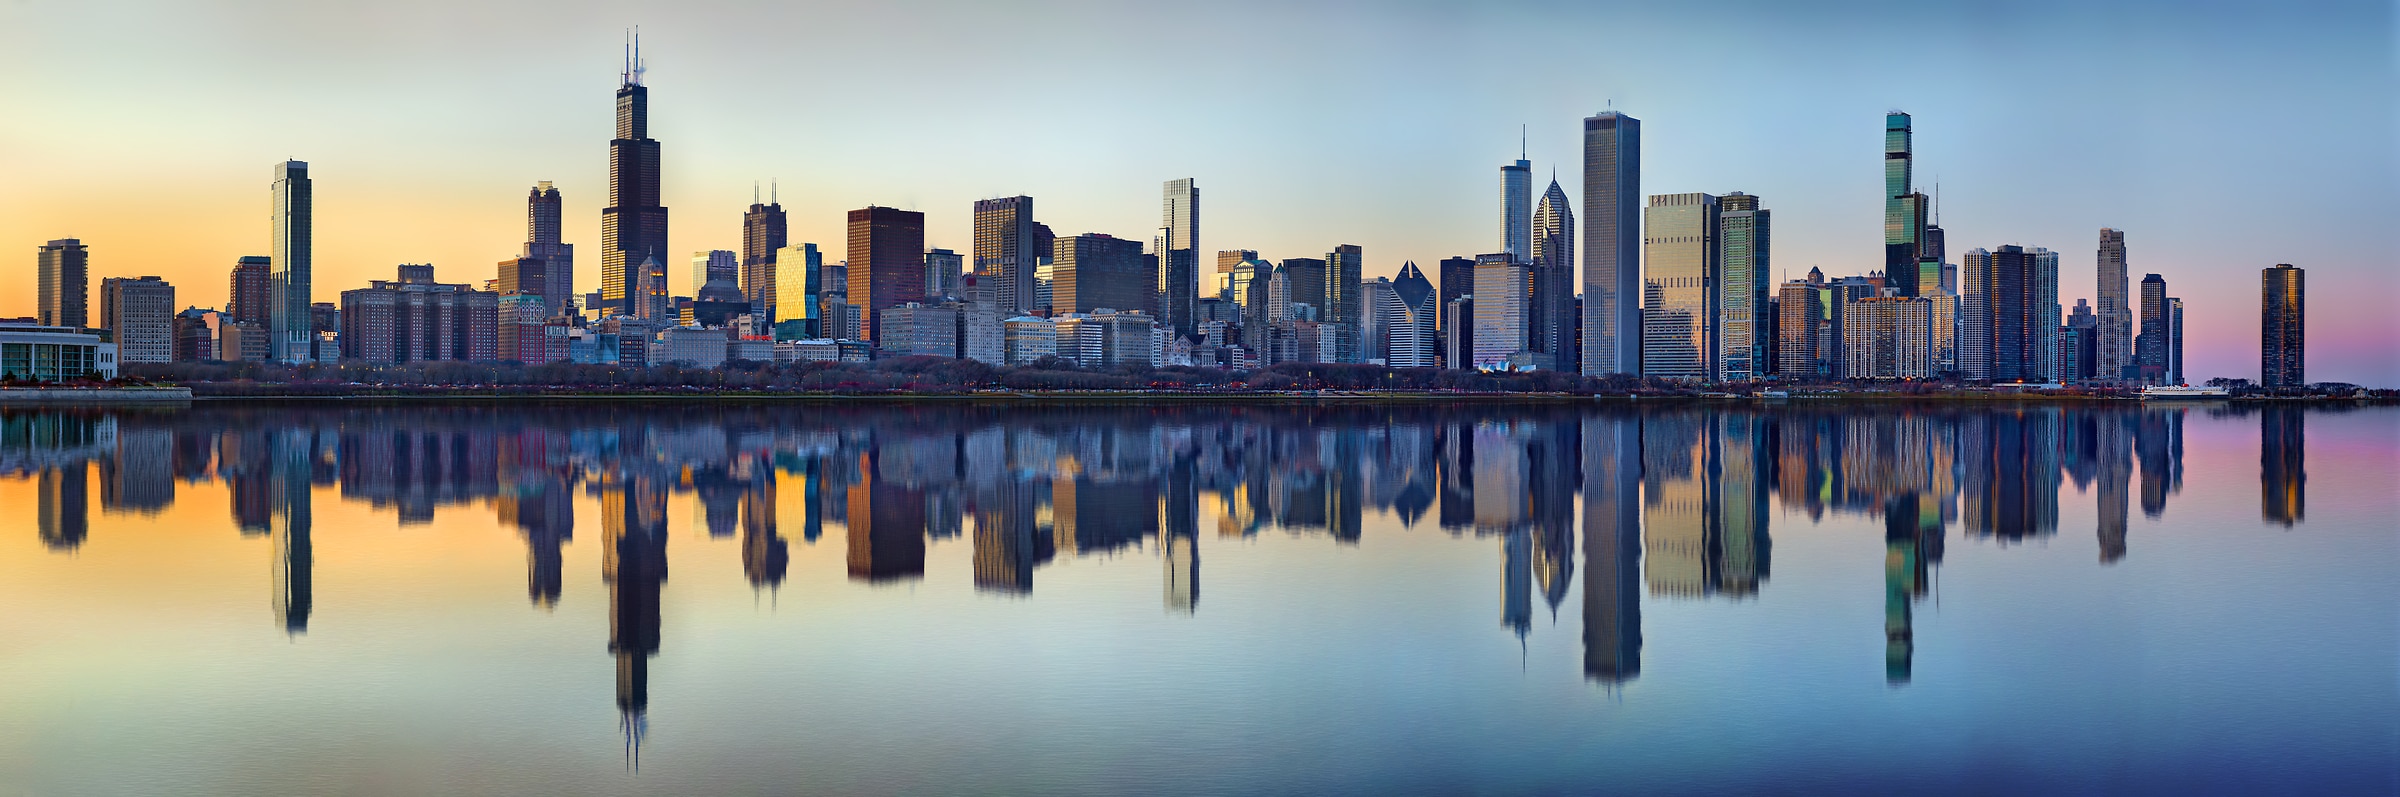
(2223, 137)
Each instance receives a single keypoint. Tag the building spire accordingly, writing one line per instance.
(754, 192)
(1521, 141)
(632, 76)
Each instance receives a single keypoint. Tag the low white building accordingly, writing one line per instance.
(693, 346)
(1029, 338)
(33, 351)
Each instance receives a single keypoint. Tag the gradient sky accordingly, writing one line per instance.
(2223, 137)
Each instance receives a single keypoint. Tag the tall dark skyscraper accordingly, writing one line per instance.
(2002, 324)
(2113, 346)
(64, 284)
(543, 208)
(1743, 325)
(1343, 267)
(288, 337)
(887, 262)
(2151, 352)
(2283, 464)
(1612, 244)
(1179, 258)
(1904, 212)
(1552, 314)
(633, 227)
(763, 233)
(2282, 327)
(249, 297)
(1008, 249)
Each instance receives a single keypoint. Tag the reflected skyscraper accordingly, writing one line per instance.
(1612, 244)
(1612, 548)
(1912, 545)
(62, 507)
(2283, 465)
(633, 519)
(886, 526)
(1179, 538)
(292, 526)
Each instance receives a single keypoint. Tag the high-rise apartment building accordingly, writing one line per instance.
(1008, 249)
(1679, 287)
(2113, 333)
(764, 234)
(1092, 273)
(288, 338)
(250, 297)
(544, 230)
(1343, 273)
(1503, 289)
(2002, 318)
(1904, 212)
(2042, 305)
(416, 319)
(2174, 341)
(1553, 315)
(1179, 257)
(2282, 327)
(633, 227)
(887, 261)
(1612, 244)
(1888, 337)
(141, 314)
(1799, 309)
(2150, 346)
(1743, 237)
(63, 286)
(1516, 210)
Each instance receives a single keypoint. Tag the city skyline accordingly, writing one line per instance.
(407, 204)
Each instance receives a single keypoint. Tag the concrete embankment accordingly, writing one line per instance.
(96, 396)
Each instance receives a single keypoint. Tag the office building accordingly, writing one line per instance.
(195, 335)
(2151, 356)
(1028, 338)
(1341, 308)
(1008, 248)
(1743, 326)
(415, 319)
(917, 328)
(1179, 257)
(1553, 314)
(544, 231)
(887, 262)
(524, 276)
(2282, 327)
(288, 337)
(1612, 244)
(1799, 311)
(764, 236)
(1679, 297)
(250, 296)
(1503, 289)
(1228, 260)
(942, 270)
(2113, 333)
(63, 288)
(140, 314)
(1904, 213)
(799, 292)
(1458, 349)
(1408, 323)
(2174, 341)
(633, 227)
(1516, 210)
(1093, 272)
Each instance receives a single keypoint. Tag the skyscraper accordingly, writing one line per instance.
(2174, 341)
(633, 227)
(887, 262)
(288, 338)
(64, 283)
(763, 235)
(2043, 313)
(1343, 267)
(2282, 327)
(1553, 316)
(141, 313)
(1903, 211)
(1409, 329)
(2113, 346)
(544, 226)
(1516, 210)
(2000, 325)
(1612, 237)
(1799, 307)
(250, 297)
(1503, 287)
(1008, 249)
(2150, 351)
(1179, 258)
(1094, 272)
(799, 287)
(1743, 326)
(1679, 299)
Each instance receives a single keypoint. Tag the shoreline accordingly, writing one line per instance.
(1274, 397)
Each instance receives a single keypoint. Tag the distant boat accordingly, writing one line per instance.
(2155, 392)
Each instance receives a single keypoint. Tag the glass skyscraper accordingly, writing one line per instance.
(1904, 212)
(1516, 210)
(1612, 237)
(633, 227)
(1679, 297)
(1742, 322)
(1009, 250)
(2113, 346)
(2282, 327)
(1179, 257)
(288, 337)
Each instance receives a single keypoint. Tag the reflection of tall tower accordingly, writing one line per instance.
(886, 527)
(1612, 549)
(1007, 544)
(1179, 537)
(63, 507)
(1907, 560)
(2283, 465)
(2158, 444)
(1516, 580)
(2115, 454)
(633, 519)
(765, 554)
(292, 453)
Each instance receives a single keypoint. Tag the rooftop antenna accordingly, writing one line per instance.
(1520, 141)
(1937, 201)
(771, 192)
(754, 192)
(637, 55)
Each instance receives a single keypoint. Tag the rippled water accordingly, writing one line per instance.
(784, 598)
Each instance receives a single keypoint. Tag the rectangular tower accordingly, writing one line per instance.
(1503, 288)
(1343, 271)
(763, 235)
(1008, 249)
(2113, 335)
(1743, 234)
(887, 262)
(633, 227)
(2282, 327)
(1179, 256)
(288, 338)
(1903, 210)
(2150, 345)
(1679, 296)
(140, 313)
(544, 210)
(1612, 236)
(64, 283)
(1516, 210)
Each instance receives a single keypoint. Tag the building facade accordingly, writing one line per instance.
(1179, 256)
(1612, 238)
(2113, 329)
(293, 285)
(1743, 326)
(887, 262)
(764, 235)
(1094, 272)
(1554, 314)
(63, 284)
(1344, 267)
(633, 226)
(416, 319)
(1503, 290)
(1008, 249)
(2283, 327)
(140, 314)
(1679, 287)
(544, 240)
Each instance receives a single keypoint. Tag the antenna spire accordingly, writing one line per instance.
(771, 192)
(754, 192)
(1520, 141)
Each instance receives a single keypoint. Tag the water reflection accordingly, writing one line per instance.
(1675, 502)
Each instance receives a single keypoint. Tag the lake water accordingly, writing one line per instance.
(695, 598)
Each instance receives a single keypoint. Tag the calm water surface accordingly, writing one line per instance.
(695, 598)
